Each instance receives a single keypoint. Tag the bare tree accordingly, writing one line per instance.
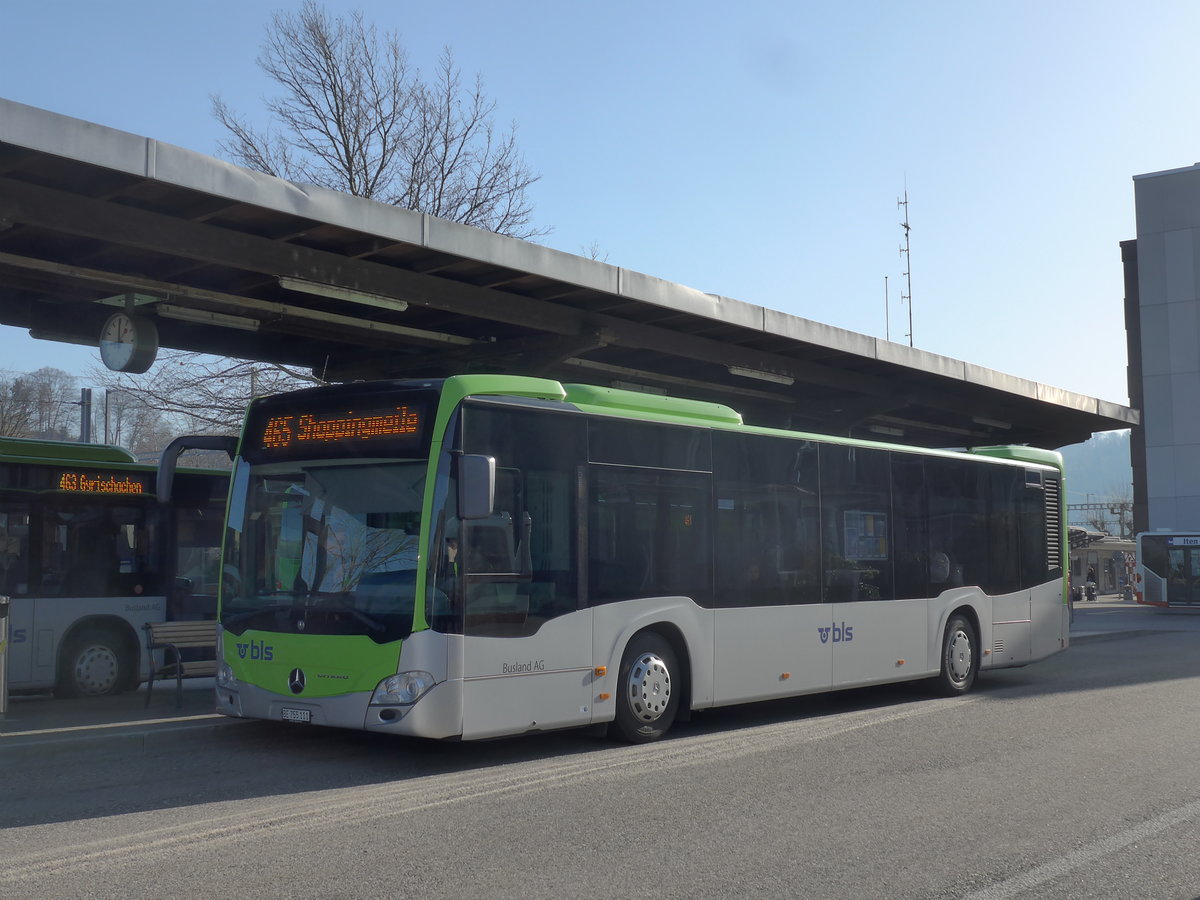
(1120, 507)
(43, 404)
(355, 117)
(191, 392)
(353, 552)
(594, 251)
(123, 418)
(16, 406)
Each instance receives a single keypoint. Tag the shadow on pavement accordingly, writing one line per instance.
(127, 741)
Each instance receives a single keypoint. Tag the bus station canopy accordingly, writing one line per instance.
(231, 262)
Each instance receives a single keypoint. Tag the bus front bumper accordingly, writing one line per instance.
(436, 714)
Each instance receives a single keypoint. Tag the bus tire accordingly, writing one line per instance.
(960, 657)
(94, 663)
(649, 686)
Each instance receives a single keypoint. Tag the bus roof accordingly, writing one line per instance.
(29, 449)
(678, 410)
(636, 403)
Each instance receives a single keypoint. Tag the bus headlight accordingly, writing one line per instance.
(225, 676)
(404, 688)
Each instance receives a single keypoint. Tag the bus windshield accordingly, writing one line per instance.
(327, 549)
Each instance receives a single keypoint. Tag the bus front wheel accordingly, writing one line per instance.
(94, 664)
(960, 657)
(648, 689)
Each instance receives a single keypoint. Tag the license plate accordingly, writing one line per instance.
(295, 715)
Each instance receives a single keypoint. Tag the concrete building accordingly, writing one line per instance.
(1162, 313)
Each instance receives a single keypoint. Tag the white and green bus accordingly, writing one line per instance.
(494, 555)
(88, 555)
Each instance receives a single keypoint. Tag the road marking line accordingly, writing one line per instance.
(135, 724)
(1085, 855)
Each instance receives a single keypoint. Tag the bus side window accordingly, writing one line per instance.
(197, 563)
(855, 505)
(920, 570)
(92, 554)
(767, 544)
(649, 535)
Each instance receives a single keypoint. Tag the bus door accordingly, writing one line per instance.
(876, 513)
(527, 645)
(20, 640)
(14, 583)
(1183, 578)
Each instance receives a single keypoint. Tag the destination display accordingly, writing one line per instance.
(83, 482)
(296, 432)
(1184, 540)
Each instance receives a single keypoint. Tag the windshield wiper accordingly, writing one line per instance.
(306, 608)
(247, 615)
(371, 623)
(344, 604)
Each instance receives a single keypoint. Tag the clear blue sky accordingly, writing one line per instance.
(754, 150)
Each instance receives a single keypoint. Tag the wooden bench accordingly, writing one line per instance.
(171, 638)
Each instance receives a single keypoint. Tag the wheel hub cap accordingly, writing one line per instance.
(649, 687)
(958, 657)
(96, 670)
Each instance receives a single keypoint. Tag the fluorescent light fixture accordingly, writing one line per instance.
(761, 375)
(640, 388)
(123, 300)
(991, 423)
(885, 429)
(85, 340)
(335, 292)
(204, 317)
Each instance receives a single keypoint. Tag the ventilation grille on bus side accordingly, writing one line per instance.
(1053, 494)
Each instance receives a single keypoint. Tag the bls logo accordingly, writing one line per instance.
(256, 650)
(841, 633)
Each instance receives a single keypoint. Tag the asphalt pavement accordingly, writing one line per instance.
(38, 726)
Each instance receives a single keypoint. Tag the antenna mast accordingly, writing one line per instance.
(887, 319)
(907, 273)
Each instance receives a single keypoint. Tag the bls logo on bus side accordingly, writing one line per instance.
(256, 650)
(840, 634)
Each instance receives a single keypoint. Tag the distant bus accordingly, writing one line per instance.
(88, 556)
(492, 555)
(1168, 568)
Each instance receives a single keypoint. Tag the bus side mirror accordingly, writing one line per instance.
(170, 457)
(476, 485)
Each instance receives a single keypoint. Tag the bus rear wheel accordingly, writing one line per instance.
(94, 664)
(960, 657)
(648, 690)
